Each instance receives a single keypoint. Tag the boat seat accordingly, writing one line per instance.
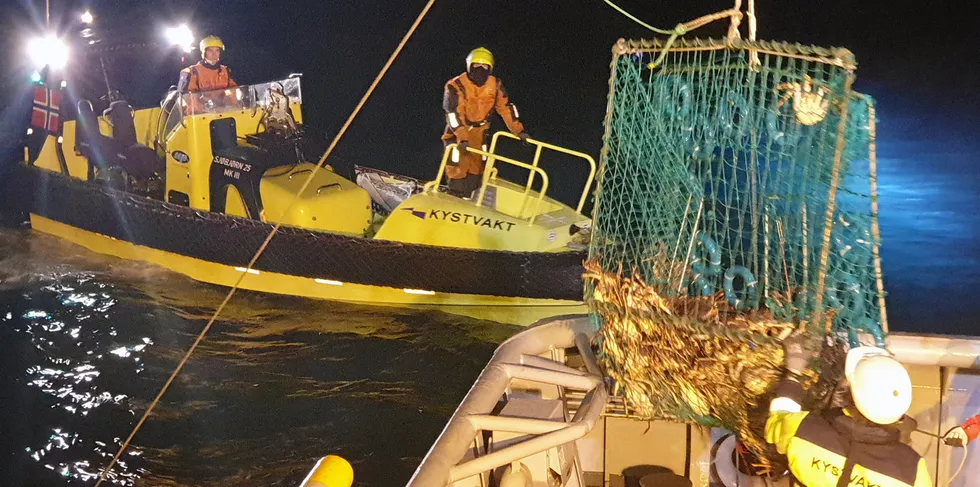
(89, 142)
(101, 151)
(120, 116)
(138, 160)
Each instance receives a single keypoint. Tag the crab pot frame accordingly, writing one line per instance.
(739, 177)
(743, 168)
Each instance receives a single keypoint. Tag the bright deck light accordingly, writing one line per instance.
(87, 17)
(181, 36)
(48, 51)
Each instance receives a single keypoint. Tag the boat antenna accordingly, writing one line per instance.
(258, 253)
(105, 76)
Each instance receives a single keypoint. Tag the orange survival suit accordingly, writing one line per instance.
(202, 77)
(468, 105)
(205, 77)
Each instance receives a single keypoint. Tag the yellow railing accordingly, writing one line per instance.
(489, 169)
(537, 156)
(490, 172)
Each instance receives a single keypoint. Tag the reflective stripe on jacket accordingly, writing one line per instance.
(468, 105)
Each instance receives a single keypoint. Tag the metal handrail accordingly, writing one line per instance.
(517, 358)
(537, 155)
(490, 173)
(489, 169)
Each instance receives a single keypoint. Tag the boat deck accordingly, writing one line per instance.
(540, 388)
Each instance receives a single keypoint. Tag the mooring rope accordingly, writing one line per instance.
(272, 233)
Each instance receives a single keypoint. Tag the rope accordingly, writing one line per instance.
(875, 228)
(831, 207)
(962, 460)
(753, 25)
(682, 28)
(272, 233)
(960, 469)
(638, 21)
(736, 21)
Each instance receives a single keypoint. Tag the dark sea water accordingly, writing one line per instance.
(930, 225)
(86, 341)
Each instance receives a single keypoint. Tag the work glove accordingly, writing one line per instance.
(463, 145)
(964, 433)
(524, 136)
(796, 356)
(956, 437)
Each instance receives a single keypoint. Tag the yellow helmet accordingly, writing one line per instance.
(211, 41)
(480, 55)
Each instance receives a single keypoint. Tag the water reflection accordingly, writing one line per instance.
(88, 340)
(71, 327)
(930, 234)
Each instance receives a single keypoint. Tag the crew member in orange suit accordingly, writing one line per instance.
(208, 74)
(468, 100)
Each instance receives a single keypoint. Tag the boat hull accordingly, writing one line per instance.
(216, 248)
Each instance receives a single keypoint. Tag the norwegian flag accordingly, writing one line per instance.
(46, 114)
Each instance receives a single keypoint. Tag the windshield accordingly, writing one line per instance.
(248, 97)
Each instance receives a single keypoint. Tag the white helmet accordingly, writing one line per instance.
(880, 385)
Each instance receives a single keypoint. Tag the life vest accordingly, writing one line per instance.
(205, 77)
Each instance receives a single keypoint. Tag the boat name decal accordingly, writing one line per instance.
(826, 467)
(466, 218)
(232, 173)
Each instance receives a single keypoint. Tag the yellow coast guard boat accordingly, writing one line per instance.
(196, 185)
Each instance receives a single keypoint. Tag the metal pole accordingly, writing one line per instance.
(105, 76)
(47, 13)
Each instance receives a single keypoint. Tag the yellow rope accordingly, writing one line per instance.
(638, 21)
(261, 249)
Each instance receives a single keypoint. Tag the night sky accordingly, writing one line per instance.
(553, 56)
(917, 60)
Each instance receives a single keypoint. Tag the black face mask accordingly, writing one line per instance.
(479, 75)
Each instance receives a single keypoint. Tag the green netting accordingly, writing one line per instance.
(716, 178)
